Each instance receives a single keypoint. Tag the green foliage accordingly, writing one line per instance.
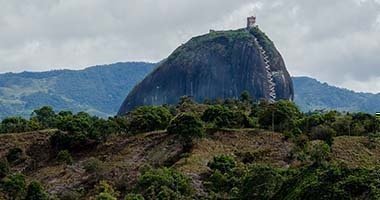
(319, 153)
(163, 184)
(14, 125)
(224, 180)
(134, 197)
(224, 117)
(45, 116)
(261, 182)
(245, 97)
(72, 194)
(148, 118)
(14, 154)
(223, 163)
(4, 168)
(188, 126)
(35, 191)
(79, 129)
(324, 133)
(105, 196)
(331, 182)
(14, 186)
(93, 165)
(106, 191)
(283, 114)
(64, 156)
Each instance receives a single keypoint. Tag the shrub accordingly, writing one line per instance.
(319, 153)
(164, 183)
(93, 165)
(261, 182)
(188, 126)
(35, 191)
(220, 183)
(14, 125)
(4, 168)
(223, 117)
(324, 133)
(105, 189)
(62, 140)
(71, 195)
(342, 125)
(105, 196)
(64, 156)
(149, 118)
(134, 197)
(245, 97)
(14, 154)
(223, 163)
(101, 129)
(14, 186)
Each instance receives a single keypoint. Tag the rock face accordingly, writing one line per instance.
(217, 65)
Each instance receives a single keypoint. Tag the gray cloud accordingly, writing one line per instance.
(334, 41)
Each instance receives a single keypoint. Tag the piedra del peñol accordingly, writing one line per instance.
(218, 65)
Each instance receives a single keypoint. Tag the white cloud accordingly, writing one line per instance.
(335, 41)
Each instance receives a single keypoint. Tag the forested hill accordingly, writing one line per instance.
(310, 94)
(101, 90)
(98, 90)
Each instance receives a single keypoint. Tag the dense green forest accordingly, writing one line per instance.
(101, 90)
(237, 176)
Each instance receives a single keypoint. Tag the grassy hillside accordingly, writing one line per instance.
(123, 158)
(232, 149)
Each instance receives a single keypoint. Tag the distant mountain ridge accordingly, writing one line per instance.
(311, 94)
(100, 90)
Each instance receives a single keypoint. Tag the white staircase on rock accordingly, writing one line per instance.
(272, 85)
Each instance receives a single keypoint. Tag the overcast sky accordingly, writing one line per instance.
(337, 41)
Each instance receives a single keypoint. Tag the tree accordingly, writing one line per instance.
(245, 97)
(188, 126)
(342, 125)
(149, 118)
(14, 186)
(324, 133)
(223, 163)
(45, 116)
(319, 153)
(35, 191)
(261, 182)
(223, 117)
(282, 114)
(14, 125)
(163, 184)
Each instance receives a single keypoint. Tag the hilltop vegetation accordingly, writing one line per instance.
(232, 149)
